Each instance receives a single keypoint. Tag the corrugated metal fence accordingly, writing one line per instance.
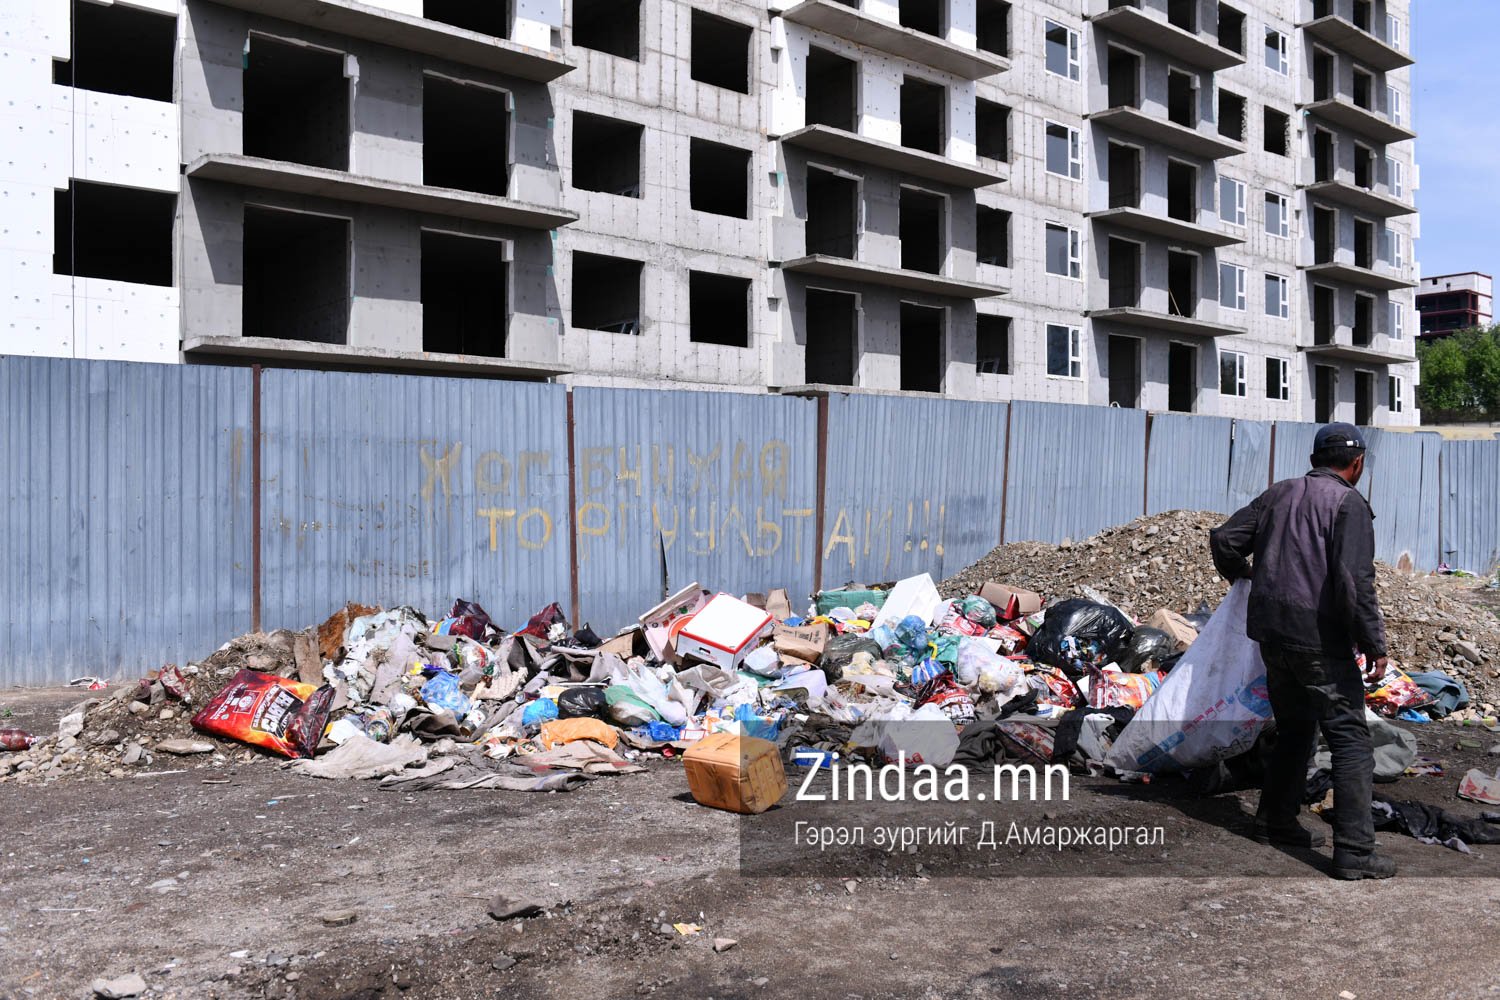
(153, 512)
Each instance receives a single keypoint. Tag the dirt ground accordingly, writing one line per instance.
(221, 889)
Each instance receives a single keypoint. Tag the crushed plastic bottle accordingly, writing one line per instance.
(16, 739)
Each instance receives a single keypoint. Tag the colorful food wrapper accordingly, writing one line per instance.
(1395, 692)
(1115, 689)
(944, 692)
(1027, 740)
(1012, 640)
(264, 710)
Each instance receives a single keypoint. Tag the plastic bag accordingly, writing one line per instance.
(850, 598)
(465, 618)
(279, 714)
(950, 618)
(1055, 693)
(840, 651)
(539, 711)
(1147, 644)
(442, 691)
(559, 731)
(922, 736)
(1212, 706)
(627, 708)
(926, 671)
(582, 703)
(977, 610)
(989, 672)
(911, 640)
(1077, 634)
(649, 688)
(541, 623)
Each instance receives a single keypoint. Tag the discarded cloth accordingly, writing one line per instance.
(1448, 693)
(361, 757)
(1395, 749)
(1432, 825)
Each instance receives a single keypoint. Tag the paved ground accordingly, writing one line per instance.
(220, 889)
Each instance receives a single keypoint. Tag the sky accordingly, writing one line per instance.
(1456, 109)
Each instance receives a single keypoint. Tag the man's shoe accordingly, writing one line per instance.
(1348, 865)
(1286, 835)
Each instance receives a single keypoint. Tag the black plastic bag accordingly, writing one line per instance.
(1077, 634)
(581, 702)
(841, 649)
(1145, 645)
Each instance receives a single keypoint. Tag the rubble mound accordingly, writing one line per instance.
(1162, 561)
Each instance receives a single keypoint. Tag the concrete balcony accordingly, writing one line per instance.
(1342, 111)
(1360, 277)
(1363, 200)
(1162, 322)
(826, 266)
(369, 358)
(851, 24)
(1141, 27)
(1360, 44)
(1370, 354)
(1195, 141)
(414, 34)
(837, 142)
(1166, 227)
(323, 182)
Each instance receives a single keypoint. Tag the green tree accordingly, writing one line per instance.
(1461, 376)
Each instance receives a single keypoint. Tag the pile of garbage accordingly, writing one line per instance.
(739, 686)
(1433, 622)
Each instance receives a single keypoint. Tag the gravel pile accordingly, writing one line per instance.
(1162, 561)
(146, 725)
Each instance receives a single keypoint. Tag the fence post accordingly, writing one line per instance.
(1146, 468)
(1010, 408)
(572, 514)
(1271, 465)
(255, 499)
(820, 511)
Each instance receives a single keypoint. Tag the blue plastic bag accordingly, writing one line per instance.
(755, 725)
(662, 731)
(537, 712)
(442, 691)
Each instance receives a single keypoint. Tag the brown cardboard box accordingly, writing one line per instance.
(1011, 602)
(802, 642)
(739, 773)
(1174, 625)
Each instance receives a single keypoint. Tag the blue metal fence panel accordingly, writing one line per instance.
(674, 487)
(913, 485)
(1294, 442)
(1074, 470)
(1187, 463)
(1249, 463)
(392, 489)
(1470, 533)
(127, 509)
(1403, 490)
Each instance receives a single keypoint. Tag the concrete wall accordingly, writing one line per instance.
(55, 133)
(386, 88)
(661, 228)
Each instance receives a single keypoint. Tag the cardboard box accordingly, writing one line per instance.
(1011, 602)
(722, 632)
(738, 773)
(658, 621)
(801, 642)
(1178, 627)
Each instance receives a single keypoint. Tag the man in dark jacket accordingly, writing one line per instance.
(1312, 604)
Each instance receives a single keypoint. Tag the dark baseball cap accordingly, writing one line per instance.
(1338, 436)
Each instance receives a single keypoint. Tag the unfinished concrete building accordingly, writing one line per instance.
(1175, 204)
